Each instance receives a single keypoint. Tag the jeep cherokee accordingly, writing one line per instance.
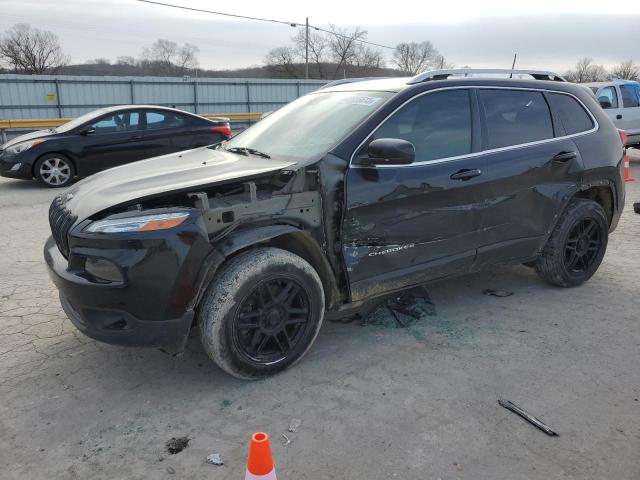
(343, 196)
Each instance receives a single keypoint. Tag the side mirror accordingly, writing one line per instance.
(89, 130)
(389, 151)
(604, 102)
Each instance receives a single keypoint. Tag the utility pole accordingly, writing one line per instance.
(306, 51)
(513, 65)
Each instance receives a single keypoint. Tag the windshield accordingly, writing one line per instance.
(76, 122)
(309, 126)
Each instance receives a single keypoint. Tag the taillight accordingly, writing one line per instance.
(623, 136)
(222, 129)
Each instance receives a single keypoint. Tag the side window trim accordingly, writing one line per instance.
(483, 151)
(474, 126)
(558, 127)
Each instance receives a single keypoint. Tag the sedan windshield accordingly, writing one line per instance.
(76, 122)
(309, 126)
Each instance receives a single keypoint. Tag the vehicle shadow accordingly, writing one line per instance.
(461, 315)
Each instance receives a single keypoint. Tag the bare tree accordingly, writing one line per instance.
(33, 51)
(412, 58)
(281, 61)
(367, 57)
(186, 57)
(318, 48)
(587, 71)
(627, 70)
(343, 46)
(167, 58)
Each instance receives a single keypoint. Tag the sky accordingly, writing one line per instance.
(546, 34)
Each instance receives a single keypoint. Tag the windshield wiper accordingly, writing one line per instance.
(247, 151)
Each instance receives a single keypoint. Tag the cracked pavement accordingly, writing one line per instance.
(375, 402)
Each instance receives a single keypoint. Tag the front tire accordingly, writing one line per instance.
(261, 313)
(577, 245)
(54, 170)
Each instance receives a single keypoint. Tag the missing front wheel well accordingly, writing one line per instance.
(305, 247)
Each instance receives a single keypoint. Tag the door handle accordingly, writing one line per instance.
(619, 116)
(136, 137)
(564, 156)
(466, 174)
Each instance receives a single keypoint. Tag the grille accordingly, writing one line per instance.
(61, 220)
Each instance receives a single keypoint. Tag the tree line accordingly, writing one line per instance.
(340, 52)
(335, 53)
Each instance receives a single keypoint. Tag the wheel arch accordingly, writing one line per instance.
(603, 195)
(291, 239)
(68, 157)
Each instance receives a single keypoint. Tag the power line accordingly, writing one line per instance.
(270, 20)
(182, 7)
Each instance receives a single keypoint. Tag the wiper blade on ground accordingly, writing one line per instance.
(247, 151)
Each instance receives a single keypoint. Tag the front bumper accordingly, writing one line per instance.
(120, 328)
(162, 277)
(15, 166)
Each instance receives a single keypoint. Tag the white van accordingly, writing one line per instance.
(620, 99)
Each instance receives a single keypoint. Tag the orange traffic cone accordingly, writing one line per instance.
(627, 170)
(260, 462)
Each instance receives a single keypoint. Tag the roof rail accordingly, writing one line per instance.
(444, 74)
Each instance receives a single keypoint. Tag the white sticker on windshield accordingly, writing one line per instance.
(366, 101)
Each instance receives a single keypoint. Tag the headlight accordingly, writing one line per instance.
(23, 146)
(143, 223)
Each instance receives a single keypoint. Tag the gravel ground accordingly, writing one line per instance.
(376, 402)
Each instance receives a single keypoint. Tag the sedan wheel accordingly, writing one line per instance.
(54, 171)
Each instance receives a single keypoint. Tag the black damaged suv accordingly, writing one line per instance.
(343, 196)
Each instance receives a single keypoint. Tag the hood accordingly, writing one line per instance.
(28, 136)
(188, 170)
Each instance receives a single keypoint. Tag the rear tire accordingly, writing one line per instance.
(577, 245)
(54, 170)
(261, 313)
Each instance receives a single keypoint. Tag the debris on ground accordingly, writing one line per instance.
(294, 426)
(401, 310)
(636, 207)
(171, 470)
(286, 439)
(215, 459)
(529, 418)
(414, 303)
(497, 293)
(176, 445)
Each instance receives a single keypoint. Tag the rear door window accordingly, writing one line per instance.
(514, 117)
(630, 96)
(157, 120)
(437, 124)
(571, 114)
(609, 94)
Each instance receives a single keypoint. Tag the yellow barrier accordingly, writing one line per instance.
(56, 122)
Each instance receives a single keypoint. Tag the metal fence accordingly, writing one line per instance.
(53, 96)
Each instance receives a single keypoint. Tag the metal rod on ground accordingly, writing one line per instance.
(529, 418)
(306, 51)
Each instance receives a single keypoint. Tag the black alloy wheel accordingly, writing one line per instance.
(271, 320)
(583, 245)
